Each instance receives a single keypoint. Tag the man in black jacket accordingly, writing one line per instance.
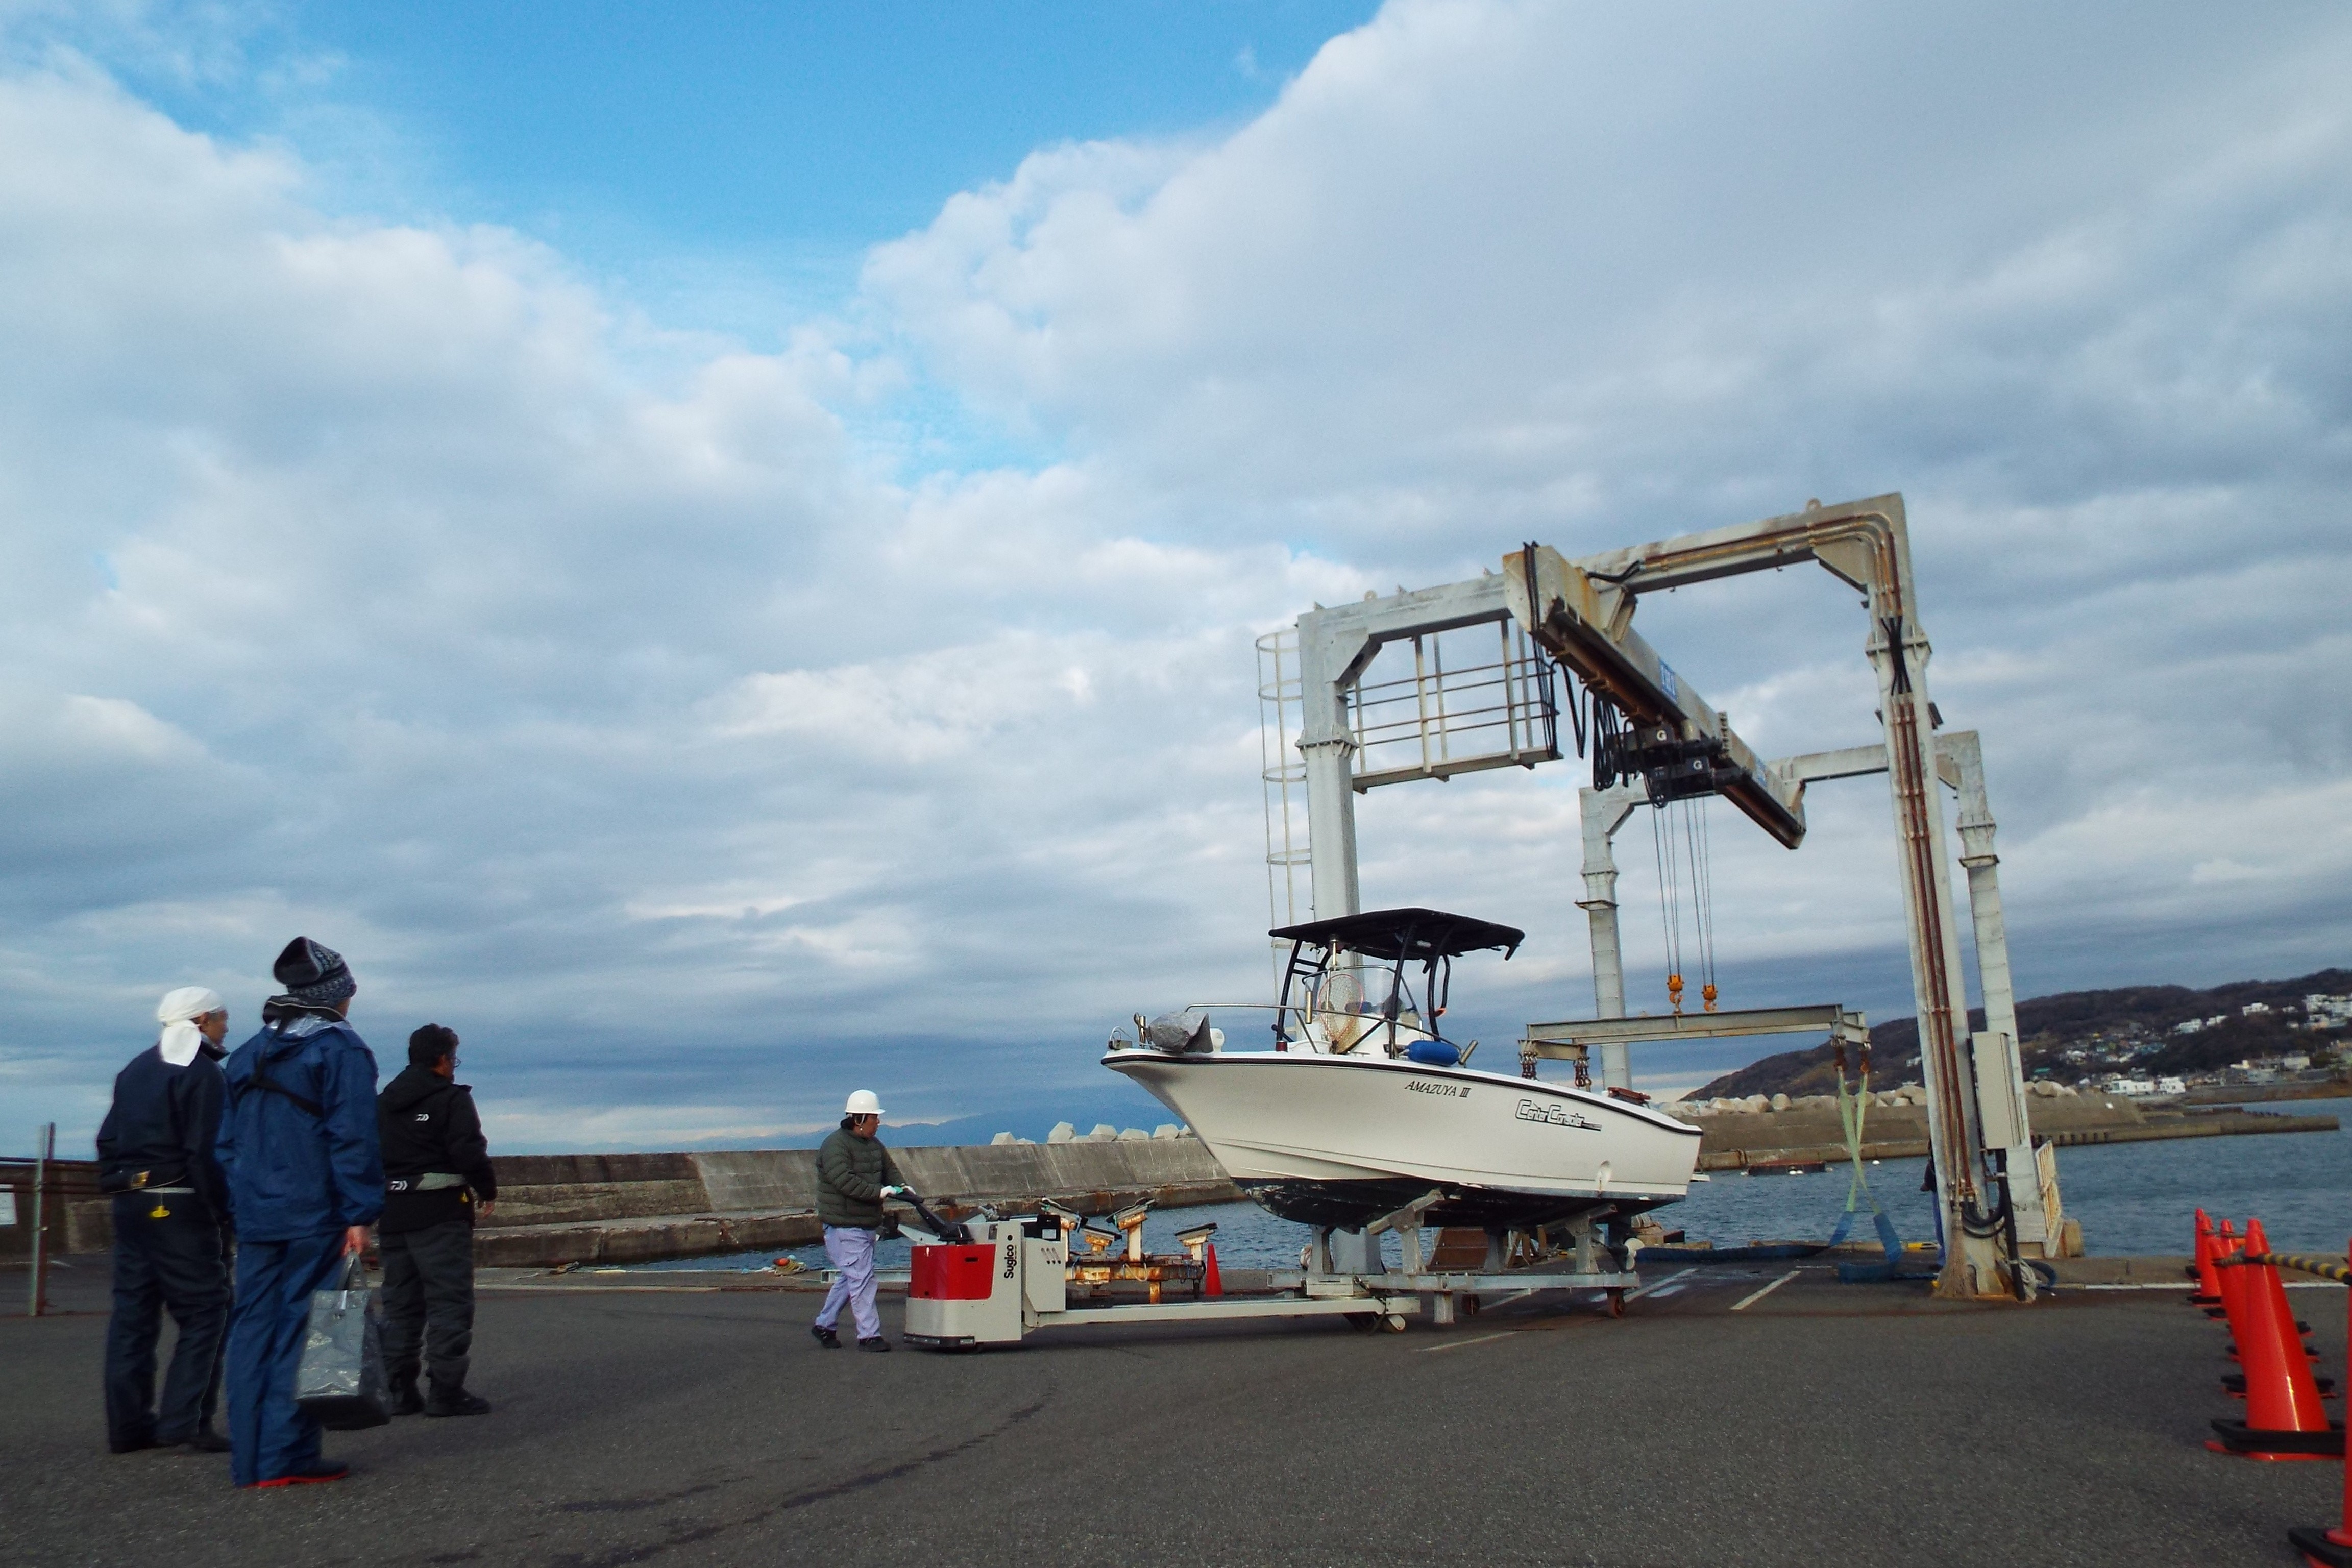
(171, 1237)
(437, 1177)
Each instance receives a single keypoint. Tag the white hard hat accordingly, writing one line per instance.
(863, 1103)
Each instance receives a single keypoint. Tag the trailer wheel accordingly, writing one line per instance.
(1616, 1300)
(1393, 1323)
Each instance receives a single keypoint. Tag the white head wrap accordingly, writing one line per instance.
(178, 1012)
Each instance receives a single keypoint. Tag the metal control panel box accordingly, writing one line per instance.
(1045, 1281)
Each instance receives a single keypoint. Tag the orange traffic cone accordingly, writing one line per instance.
(2228, 1244)
(1211, 1282)
(2285, 1419)
(2228, 1283)
(2233, 1384)
(2328, 1548)
(2209, 1285)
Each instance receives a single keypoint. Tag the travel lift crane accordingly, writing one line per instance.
(1992, 1191)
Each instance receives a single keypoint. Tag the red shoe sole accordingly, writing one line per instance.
(300, 1480)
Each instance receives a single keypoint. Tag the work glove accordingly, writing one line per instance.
(896, 1191)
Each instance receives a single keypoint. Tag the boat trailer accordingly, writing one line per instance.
(1015, 1275)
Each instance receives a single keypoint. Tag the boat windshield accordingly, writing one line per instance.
(1347, 985)
(1325, 1024)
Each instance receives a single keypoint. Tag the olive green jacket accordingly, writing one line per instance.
(851, 1173)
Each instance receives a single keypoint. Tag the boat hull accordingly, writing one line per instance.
(1340, 1140)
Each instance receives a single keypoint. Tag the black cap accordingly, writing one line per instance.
(313, 974)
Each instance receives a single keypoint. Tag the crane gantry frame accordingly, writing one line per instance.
(1580, 612)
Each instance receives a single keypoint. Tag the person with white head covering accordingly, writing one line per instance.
(171, 1230)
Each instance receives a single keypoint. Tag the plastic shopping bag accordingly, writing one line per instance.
(342, 1383)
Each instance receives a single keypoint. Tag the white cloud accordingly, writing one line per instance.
(920, 710)
(660, 713)
(1493, 271)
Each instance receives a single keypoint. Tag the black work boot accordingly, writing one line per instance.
(406, 1400)
(877, 1344)
(451, 1399)
(825, 1336)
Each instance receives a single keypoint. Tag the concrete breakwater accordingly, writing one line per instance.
(554, 1209)
(576, 1208)
(1806, 1130)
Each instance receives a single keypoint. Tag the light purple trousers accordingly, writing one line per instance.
(851, 1248)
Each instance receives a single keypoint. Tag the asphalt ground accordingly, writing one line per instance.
(1822, 1423)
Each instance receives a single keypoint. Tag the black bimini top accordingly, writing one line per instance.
(1415, 936)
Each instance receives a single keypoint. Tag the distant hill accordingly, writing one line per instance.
(2107, 1026)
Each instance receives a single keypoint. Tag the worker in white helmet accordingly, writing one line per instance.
(853, 1173)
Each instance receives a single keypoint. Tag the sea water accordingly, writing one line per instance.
(2131, 1198)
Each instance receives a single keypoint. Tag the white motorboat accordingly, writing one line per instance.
(1359, 1107)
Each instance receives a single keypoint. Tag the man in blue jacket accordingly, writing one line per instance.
(298, 1144)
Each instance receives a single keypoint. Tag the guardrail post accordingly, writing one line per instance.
(45, 1150)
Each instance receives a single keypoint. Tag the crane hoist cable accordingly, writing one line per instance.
(1684, 853)
(1695, 821)
(1668, 854)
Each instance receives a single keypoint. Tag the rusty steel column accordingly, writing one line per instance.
(1974, 1261)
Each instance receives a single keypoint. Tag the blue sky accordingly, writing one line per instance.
(720, 554)
(728, 159)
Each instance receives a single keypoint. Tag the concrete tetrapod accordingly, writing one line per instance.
(2284, 1419)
